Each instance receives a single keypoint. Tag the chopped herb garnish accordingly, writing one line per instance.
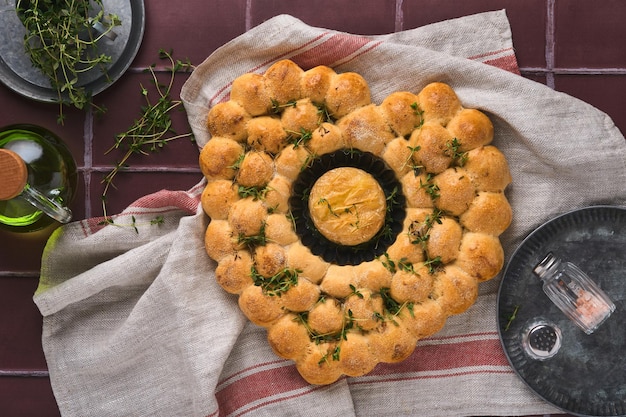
(300, 138)
(431, 188)
(254, 240)
(512, 317)
(257, 193)
(278, 283)
(277, 107)
(418, 112)
(453, 151)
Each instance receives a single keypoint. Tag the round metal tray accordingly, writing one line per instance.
(587, 376)
(17, 72)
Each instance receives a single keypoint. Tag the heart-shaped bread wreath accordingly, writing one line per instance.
(350, 230)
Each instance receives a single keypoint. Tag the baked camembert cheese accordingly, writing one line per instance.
(350, 230)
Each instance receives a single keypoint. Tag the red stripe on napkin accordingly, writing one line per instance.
(223, 95)
(269, 383)
(263, 387)
(161, 202)
(508, 63)
(335, 48)
(165, 198)
(504, 59)
(453, 357)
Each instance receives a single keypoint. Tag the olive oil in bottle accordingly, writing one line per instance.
(37, 178)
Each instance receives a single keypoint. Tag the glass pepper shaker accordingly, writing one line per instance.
(37, 178)
(574, 293)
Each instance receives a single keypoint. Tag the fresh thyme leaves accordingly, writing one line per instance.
(392, 199)
(324, 201)
(300, 138)
(133, 224)
(153, 130)
(411, 163)
(338, 337)
(453, 150)
(278, 283)
(431, 188)
(419, 232)
(418, 112)
(324, 114)
(62, 43)
(433, 263)
(253, 240)
(395, 266)
(257, 193)
(355, 291)
(277, 107)
(512, 317)
(392, 306)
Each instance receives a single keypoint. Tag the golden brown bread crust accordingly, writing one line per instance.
(230, 120)
(400, 112)
(219, 158)
(430, 144)
(217, 197)
(365, 129)
(266, 133)
(282, 82)
(439, 103)
(347, 92)
(333, 319)
(250, 92)
(233, 272)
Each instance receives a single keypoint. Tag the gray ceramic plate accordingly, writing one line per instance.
(587, 376)
(17, 73)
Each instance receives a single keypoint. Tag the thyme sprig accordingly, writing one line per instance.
(277, 108)
(278, 283)
(61, 42)
(430, 187)
(419, 233)
(418, 112)
(334, 353)
(257, 193)
(416, 168)
(512, 317)
(453, 150)
(153, 129)
(324, 114)
(134, 224)
(252, 241)
(300, 138)
(392, 307)
(394, 266)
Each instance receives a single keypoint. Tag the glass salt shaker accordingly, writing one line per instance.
(574, 293)
(37, 178)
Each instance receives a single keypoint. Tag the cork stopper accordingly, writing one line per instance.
(13, 174)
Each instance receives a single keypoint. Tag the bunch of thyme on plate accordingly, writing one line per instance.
(61, 41)
(153, 129)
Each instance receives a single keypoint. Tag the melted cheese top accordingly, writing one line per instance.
(348, 206)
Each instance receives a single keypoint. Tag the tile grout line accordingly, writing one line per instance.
(88, 159)
(25, 373)
(399, 22)
(248, 15)
(550, 43)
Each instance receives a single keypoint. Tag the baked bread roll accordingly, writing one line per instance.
(349, 229)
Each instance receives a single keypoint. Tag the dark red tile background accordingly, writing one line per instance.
(565, 44)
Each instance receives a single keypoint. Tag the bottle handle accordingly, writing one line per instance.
(45, 204)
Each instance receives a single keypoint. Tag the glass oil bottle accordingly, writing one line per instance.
(37, 180)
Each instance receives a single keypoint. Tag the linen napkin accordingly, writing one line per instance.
(135, 324)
